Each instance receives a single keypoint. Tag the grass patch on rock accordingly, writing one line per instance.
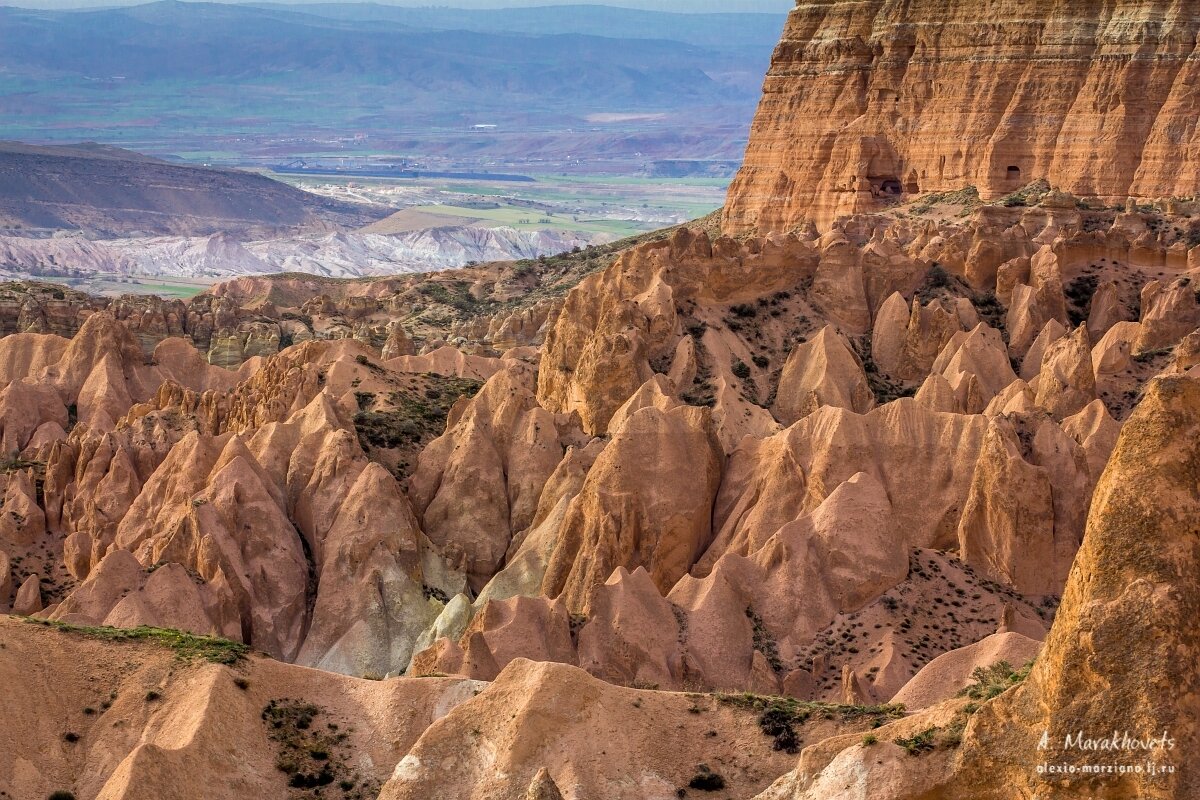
(967, 197)
(395, 427)
(186, 646)
(918, 743)
(414, 416)
(780, 716)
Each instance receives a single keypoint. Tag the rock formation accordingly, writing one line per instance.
(869, 103)
(1108, 669)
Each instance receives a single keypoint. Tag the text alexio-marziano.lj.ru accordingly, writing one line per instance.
(1144, 755)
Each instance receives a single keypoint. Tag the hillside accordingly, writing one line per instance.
(114, 192)
(175, 40)
(728, 30)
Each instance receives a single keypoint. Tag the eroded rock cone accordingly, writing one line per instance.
(398, 342)
(1122, 653)
(822, 372)
(543, 787)
(634, 511)
(1118, 666)
(29, 597)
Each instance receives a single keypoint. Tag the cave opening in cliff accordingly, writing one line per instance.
(891, 186)
(1014, 173)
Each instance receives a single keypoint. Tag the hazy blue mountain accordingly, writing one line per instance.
(721, 31)
(172, 40)
(280, 81)
(780, 7)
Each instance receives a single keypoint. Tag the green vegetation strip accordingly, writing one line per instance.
(186, 646)
(779, 716)
(414, 418)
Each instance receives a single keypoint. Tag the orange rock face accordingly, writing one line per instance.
(868, 102)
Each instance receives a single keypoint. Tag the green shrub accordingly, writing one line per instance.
(988, 682)
(312, 755)
(919, 743)
(779, 716)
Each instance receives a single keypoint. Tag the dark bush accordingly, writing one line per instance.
(937, 277)
(303, 780)
(707, 781)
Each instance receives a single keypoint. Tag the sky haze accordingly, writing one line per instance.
(703, 6)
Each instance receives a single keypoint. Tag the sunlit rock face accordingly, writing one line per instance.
(866, 102)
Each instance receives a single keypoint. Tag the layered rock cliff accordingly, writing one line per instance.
(869, 102)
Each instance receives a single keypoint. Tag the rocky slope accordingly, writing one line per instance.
(1109, 669)
(331, 255)
(489, 307)
(137, 717)
(649, 488)
(869, 102)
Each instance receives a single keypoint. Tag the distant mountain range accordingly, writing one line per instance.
(720, 31)
(593, 56)
(229, 78)
(332, 255)
(205, 41)
(88, 209)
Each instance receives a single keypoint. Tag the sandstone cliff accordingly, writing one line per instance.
(867, 103)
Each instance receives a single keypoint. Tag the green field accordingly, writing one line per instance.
(526, 219)
(598, 205)
(127, 284)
